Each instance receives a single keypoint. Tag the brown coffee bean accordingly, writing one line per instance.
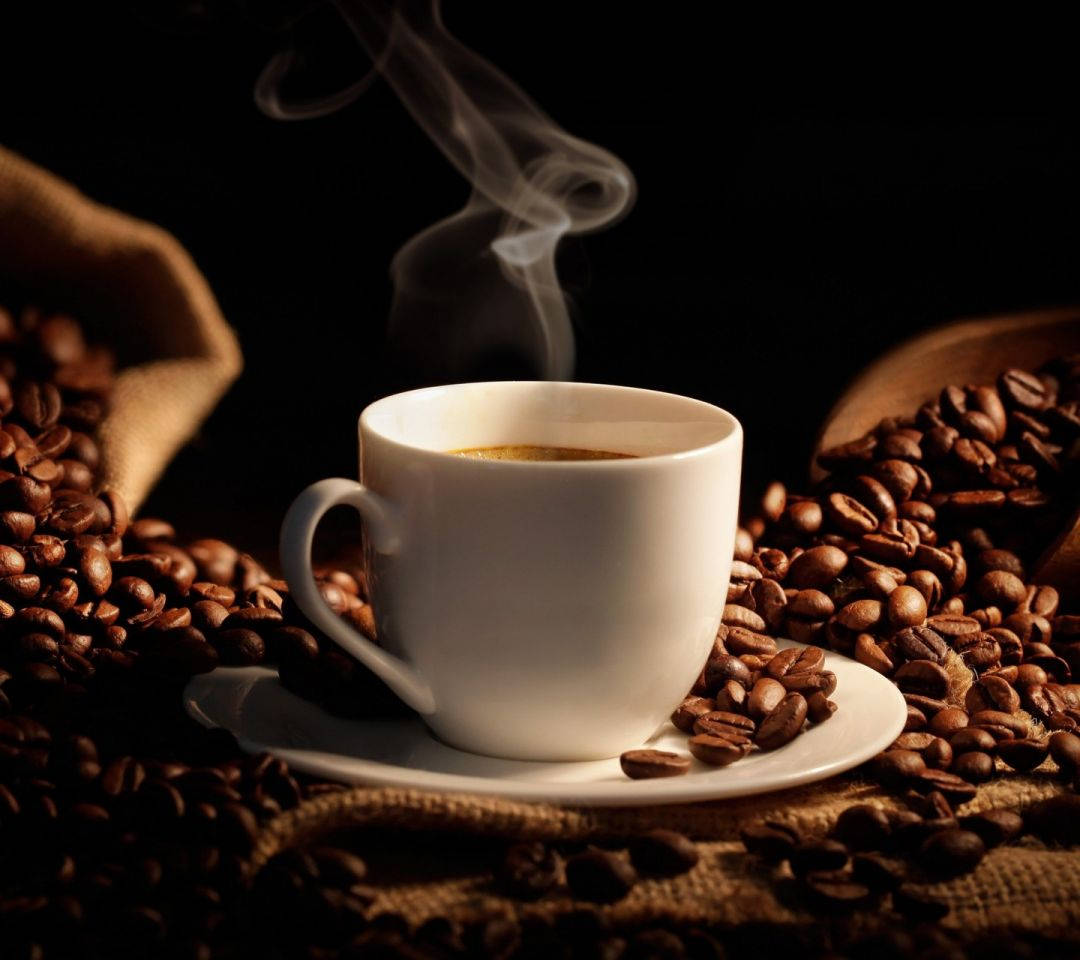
(205, 590)
(850, 516)
(869, 653)
(38, 404)
(771, 839)
(1065, 749)
(1022, 754)
(974, 766)
(992, 693)
(740, 641)
(922, 643)
(1001, 588)
(663, 853)
(215, 559)
(599, 876)
(860, 615)
(835, 891)
(894, 768)
(737, 616)
(815, 568)
(923, 677)
(994, 827)
(96, 571)
(648, 764)
(240, 647)
(950, 853)
(796, 660)
(811, 605)
(808, 684)
(946, 723)
(863, 827)
(955, 789)
(716, 751)
(783, 724)
(906, 607)
(815, 855)
(989, 719)
(916, 719)
(765, 695)
(686, 713)
(734, 726)
(819, 707)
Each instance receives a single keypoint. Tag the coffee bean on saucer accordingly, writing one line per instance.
(783, 724)
(650, 764)
(716, 751)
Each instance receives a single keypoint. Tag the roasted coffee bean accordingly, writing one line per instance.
(863, 827)
(947, 722)
(808, 684)
(817, 567)
(1064, 747)
(1016, 726)
(663, 853)
(974, 766)
(528, 870)
(770, 839)
(819, 707)
(850, 516)
(1055, 819)
(783, 724)
(835, 891)
(721, 723)
(731, 697)
(817, 855)
(240, 647)
(860, 615)
(1022, 754)
(992, 693)
(1001, 588)
(922, 643)
(686, 713)
(922, 676)
(796, 660)
(599, 876)
(894, 768)
(649, 764)
(740, 641)
(765, 697)
(994, 827)
(950, 853)
(38, 403)
(716, 751)
(720, 669)
(955, 789)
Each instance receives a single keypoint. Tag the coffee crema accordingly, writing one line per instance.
(528, 452)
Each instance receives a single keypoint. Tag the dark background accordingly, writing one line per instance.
(808, 195)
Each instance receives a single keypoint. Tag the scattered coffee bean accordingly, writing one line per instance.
(649, 764)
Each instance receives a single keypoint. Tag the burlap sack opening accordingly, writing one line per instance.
(135, 288)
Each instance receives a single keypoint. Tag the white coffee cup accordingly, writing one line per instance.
(542, 610)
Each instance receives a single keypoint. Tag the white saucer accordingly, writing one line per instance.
(263, 715)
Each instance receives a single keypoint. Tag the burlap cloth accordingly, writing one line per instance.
(1025, 887)
(135, 288)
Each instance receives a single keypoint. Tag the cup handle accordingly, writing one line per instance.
(297, 532)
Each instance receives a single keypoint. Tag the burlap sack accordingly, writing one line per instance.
(137, 289)
(1018, 888)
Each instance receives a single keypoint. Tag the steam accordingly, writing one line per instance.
(483, 279)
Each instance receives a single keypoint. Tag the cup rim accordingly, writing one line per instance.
(732, 438)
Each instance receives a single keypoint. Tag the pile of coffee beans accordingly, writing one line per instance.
(743, 701)
(124, 826)
(914, 556)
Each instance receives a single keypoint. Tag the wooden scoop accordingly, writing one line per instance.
(968, 351)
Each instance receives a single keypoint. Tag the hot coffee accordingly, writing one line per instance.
(527, 452)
